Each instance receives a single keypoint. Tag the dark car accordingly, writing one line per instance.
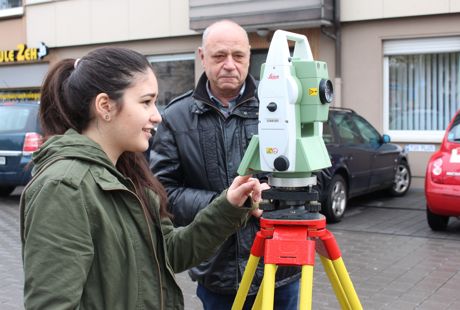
(362, 160)
(20, 135)
(442, 179)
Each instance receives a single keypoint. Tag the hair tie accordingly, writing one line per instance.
(75, 64)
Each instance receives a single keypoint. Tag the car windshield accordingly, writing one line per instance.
(13, 118)
(454, 132)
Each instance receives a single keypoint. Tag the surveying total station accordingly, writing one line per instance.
(294, 93)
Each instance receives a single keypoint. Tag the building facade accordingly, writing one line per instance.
(401, 70)
(397, 63)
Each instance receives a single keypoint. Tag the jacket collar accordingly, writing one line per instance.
(72, 145)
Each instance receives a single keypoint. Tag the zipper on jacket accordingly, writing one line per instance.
(212, 106)
(244, 101)
(224, 140)
(146, 217)
(219, 111)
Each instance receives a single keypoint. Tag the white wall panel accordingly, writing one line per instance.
(354, 10)
(41, 25)
(72, 22)
(109, 20)
(397, 8)
(80, 22)
(152, 17)
(351, 10)
(178, 17)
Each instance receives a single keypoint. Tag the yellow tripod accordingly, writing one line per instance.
(294, 243)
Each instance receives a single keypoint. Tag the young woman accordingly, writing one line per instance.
(95, 229)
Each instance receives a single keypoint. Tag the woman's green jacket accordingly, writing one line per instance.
(88, 244)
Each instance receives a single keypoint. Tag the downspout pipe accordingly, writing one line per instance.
(337, 37)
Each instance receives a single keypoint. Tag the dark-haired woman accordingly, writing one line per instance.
(94, 222)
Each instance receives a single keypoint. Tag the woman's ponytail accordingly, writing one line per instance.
(54, 107)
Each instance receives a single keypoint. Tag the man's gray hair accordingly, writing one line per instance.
(210, 27)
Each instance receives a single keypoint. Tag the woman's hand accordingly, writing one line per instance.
(243, 187)
(258, 212)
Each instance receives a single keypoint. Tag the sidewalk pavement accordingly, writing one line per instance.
(393, 258)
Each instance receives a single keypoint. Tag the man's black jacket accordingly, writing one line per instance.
(196, 154)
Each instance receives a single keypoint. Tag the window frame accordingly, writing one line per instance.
(412, 47)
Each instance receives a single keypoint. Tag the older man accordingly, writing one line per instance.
(196, 153)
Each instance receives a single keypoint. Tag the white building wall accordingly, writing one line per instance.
(82, 22)
(354, 10)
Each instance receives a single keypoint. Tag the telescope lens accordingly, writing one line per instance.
(326, 92)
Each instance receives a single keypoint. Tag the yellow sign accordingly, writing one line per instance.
(7, 96)
(313, 91)
(23, 53)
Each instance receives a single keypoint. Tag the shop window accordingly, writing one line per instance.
(175, 75)
(422, 87)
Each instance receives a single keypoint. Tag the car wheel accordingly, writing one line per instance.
(6, 190)
(336, 200)
(402, 180)
(435, 221)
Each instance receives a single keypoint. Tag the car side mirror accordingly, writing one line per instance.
(386, 138)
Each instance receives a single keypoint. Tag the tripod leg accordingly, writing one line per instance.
(246, 281)
(268, 290)
(306, 287)
(335, 282)
(345, 280)
(331, 259)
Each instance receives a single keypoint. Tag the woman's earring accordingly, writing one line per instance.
(107, 117)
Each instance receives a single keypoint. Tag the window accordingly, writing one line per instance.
(8, 4)
(346, 129)
(368, 133)
(175, 75)
(258, 57)
(13, 118)
(421, 87)
(11, 8)
(454, 133)
(328, 135)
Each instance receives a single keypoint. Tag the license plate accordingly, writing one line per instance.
(2, 160)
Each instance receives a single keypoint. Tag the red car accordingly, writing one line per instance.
(442, 180)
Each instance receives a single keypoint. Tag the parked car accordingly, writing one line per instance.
(363, 161)
(20, 135)
(442, 179)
